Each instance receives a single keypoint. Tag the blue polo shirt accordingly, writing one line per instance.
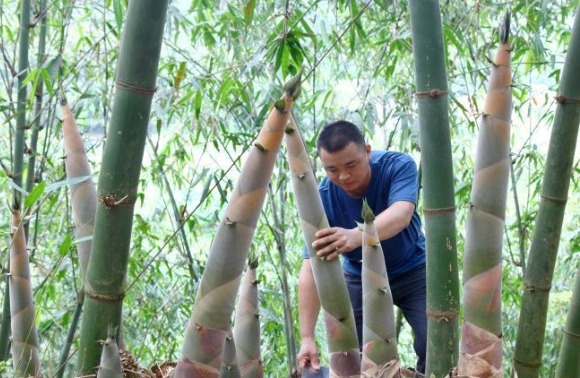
(393, 178)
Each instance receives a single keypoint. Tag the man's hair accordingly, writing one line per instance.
(337, 135)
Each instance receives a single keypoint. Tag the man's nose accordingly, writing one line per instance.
(343, 175)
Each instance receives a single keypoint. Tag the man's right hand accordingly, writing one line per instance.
(308, 354)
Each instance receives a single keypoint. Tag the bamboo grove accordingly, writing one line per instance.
(184, 256)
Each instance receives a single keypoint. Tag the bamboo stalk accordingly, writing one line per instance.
(83, 192)
(229, 368)
(379, 356)
(247, 325)
(25, 356)
(136, 76)
(481, 342)
(568, 361)
(328, 275)
(205, 334)
(438, 192)
(110, 366)
(38, 97)
(546, 237)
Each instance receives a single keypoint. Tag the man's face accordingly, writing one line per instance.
(348, 168)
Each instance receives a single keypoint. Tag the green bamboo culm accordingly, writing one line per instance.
(481, 336)
(23, 68)
(568, 361)
(554, 193)
(201, 354)
(18, 158)
(341, 333)
(118, 180)
(380, 357)
(38, 98)
(438, 197)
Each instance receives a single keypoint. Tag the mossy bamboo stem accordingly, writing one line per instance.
(568, 361)
(438, 197)
(104, 283)
(546, 237)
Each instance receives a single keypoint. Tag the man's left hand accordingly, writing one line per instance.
(331, 242)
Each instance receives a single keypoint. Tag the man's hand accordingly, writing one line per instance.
(333, 241)
(308, 354)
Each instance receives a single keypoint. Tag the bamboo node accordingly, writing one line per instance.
(561, 201)
(229, 222)
(132, 88)
(104, 297)
(446, 316)
(435, 92)
(567, 100)
(301, 176)
(260, 147)
(110, 201)
(533, 288)
(289, 130)
(571, 334)
(528, 364)
(442, 210)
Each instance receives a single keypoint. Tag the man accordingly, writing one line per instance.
(388, 181)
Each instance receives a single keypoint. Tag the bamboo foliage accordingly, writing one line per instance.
(481, 342)
(554, 194)
(568, 361)
(439, 201)
(247, 326)
(24, 336)
(379, 356)
(205, 334)
(328, 275)
(104, 283)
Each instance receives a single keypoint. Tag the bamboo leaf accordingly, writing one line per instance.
(197, 104)
(35, 194)
(249, 11)
(47, 80)
(117, 7)
(65, 245)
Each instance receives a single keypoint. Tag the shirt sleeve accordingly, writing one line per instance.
(403, 181)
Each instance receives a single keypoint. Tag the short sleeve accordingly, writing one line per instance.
(403, 181)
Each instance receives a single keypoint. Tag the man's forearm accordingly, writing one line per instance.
(308, 302)
(394, 219)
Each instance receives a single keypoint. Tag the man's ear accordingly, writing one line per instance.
(368, 149)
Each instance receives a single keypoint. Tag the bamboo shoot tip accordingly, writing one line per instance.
(367, 213)
(505, 28)
(293, 87)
